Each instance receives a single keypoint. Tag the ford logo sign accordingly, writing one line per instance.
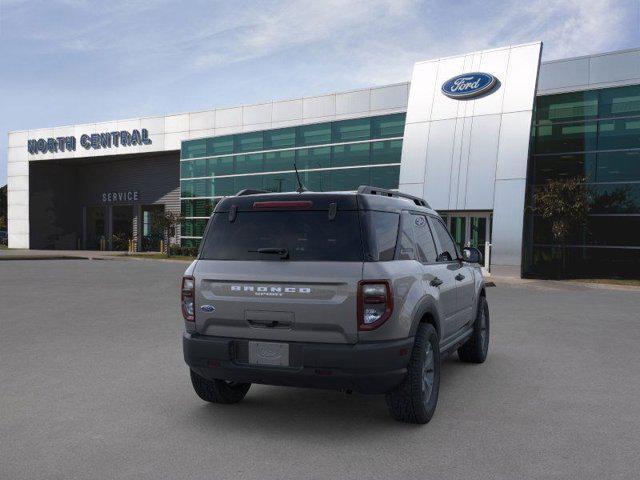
(207, 308)
(469, 85)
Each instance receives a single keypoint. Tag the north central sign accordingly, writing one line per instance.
(93, 141)
(469, 85)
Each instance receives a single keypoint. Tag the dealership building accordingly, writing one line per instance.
(476, 135)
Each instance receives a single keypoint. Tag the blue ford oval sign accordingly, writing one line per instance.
(468, 85)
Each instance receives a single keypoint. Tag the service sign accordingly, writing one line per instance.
(119, 197)
(93, 141)
(469, 85)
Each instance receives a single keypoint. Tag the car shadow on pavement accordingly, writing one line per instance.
(312, 412)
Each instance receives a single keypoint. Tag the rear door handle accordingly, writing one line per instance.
(436, 282)
(459, 277)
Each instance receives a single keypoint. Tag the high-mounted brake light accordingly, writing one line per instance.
(375, 303)
(293, 204)
(187, 298)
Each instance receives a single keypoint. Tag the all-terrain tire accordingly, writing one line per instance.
(475, 350)
(218, 391)
(414, 401)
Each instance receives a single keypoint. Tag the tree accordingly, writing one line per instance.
(565, 204)
(166, 222)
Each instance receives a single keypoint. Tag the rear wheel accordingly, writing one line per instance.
(477, 347)
(218, 391)
(415, 399)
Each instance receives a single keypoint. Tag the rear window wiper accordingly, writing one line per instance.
(283, 252)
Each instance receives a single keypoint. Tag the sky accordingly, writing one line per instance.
(65, 62)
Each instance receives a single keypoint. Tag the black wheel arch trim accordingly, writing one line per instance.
(427, 306)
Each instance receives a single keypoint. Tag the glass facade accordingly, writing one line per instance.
(593, 135)
(330, 156)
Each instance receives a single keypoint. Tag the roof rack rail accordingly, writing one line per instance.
(367, 190)
(250, 191)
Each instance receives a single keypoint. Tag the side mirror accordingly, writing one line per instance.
(471, 255)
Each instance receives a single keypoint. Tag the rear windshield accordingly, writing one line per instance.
(305, 235)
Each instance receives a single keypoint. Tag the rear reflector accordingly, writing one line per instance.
(294, 204)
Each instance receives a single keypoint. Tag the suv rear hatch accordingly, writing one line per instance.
(281, 267)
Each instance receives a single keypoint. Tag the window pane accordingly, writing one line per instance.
(388, 151)
(253, 182)
(248, 142)
(280, 182)
(405, 238)
(458, 230)
(348, 155)
(620, 102)
(319, 157)
(388, 126)
(347, 179)
(352, 130)
(200, 187)
(193, 228)
(619, 134)
(618, 167)
(220, 166)
(383, 233)
(424, 240)
(280, 138)
(616, 198)
(447, 250)
(220, 145)
(198, 208)
(307, 236)
(186, 188)
(563, 166)
(566, 107)
(194, 148)
(186, 169)
(249, 163)
(575, 137)
(222, 187)
(313, 134)
(276, 161)
(385, 177)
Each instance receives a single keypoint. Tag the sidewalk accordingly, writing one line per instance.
(20, 254)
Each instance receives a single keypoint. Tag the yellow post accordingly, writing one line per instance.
(161, 246)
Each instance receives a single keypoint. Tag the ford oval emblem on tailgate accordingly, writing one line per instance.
(207, 308)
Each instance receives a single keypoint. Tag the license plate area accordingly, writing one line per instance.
(269, 353)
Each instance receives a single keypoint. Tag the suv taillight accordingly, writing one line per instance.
(375, 303)
(187, 298)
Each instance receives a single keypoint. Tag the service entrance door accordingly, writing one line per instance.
(96, 227)
(121, 227)
(471, 229)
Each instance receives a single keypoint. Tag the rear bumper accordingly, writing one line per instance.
(373, 367)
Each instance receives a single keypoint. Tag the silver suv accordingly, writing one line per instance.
(362, 291)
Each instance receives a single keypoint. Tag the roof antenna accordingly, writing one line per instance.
(301, 188)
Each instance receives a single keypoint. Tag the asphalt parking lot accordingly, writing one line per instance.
(93, 385)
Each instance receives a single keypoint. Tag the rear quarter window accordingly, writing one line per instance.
(382, 235)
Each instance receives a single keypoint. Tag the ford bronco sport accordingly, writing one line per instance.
(362, 291)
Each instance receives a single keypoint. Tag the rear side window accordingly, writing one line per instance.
(406, 250)
(383, 234)
(424, 241)
(306, 236)
(447, 250)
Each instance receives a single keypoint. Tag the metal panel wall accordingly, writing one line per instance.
(476, 149)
